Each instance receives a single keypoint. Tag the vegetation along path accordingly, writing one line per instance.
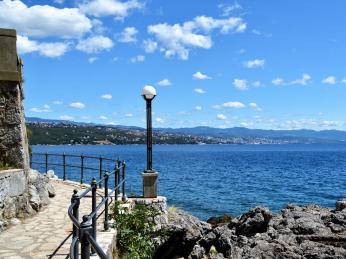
(47, 234)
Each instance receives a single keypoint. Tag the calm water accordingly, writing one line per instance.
(209, 180)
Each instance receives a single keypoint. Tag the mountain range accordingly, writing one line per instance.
(287, 136)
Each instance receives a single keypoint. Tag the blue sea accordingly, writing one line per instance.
(209, 180)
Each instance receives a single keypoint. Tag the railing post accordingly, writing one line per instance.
(84, 231)
(64, 166)
(123, 179)
(106, 223)
(93, 207)
(115, 181)
(30, 160)
(118, 190)
(100, 184)
(75, 198)
(46, 155)
(82, 169)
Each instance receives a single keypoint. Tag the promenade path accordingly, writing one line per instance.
(47, 234)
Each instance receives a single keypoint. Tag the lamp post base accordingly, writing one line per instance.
(150, 184)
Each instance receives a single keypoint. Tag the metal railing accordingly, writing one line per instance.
(84, 232)
(64, 159)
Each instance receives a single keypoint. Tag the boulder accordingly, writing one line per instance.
(254, 221)
(296, 232)
(340, 205)
(215, 221)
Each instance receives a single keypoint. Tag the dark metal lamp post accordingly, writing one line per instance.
(149, 175)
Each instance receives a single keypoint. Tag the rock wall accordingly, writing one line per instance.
(16, 190)
(13, 140)
(296, 232)
(14, 199)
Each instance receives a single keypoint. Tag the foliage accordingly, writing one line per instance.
(137, 233)
(57, 134)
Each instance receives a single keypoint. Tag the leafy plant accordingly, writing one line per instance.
(138, 234)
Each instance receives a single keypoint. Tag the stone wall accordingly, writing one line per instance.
(14, 192)
(14, 199)
(13, 140)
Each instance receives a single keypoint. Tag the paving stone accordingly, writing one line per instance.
(40, 235)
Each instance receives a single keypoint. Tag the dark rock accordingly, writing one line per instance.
(340, 205)
(255, 221)
(198, 252)
(297, 232)
(185, 231)
(215, 221)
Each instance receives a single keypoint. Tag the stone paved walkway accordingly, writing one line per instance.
(41, 235)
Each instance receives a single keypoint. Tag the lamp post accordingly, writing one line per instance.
(149, 175)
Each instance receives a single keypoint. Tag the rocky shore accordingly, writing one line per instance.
(296, 232)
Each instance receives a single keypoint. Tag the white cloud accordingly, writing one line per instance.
(137, 59)
(178, 39)
(199, 91)
(254, 63)
(107, 96)
(77, 105)
(66, 117)
(278, 81)
(200, 76)
(164, 82)
(330, 80)
(216, 106)
(246, 124)
(99, 8)
(257, 84)
(128, 35)
(95, 44)
(92, 59)
(221, 117)
(198, 108)
(43, 20)
(260, 33)
(57, 102)
(59, 1)
(102, 117)
(47, 49)
(237, 105)
(149, 46)
(227, 9)
(343, 81)
(240, 84)
(327, 123)
(159, 120)
(302, 81)
(129, 115)
(255, 106)
(43, 109)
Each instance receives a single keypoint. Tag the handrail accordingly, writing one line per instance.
(84, 233)
(65, 165)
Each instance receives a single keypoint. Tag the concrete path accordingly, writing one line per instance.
(41, 235)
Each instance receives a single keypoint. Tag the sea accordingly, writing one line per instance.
(212, 180)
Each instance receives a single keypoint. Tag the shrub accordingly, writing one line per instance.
(138, 235)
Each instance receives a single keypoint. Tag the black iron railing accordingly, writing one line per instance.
(84, 232)
(64, 161)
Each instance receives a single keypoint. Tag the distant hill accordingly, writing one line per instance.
(334, 135)
(47, 131)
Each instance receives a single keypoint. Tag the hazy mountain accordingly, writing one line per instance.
(302, 135)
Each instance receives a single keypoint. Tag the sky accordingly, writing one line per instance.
(257, 64)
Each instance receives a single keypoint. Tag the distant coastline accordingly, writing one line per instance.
(51, 132)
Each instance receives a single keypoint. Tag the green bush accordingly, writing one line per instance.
(138, 235)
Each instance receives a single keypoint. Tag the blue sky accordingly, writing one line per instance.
(258, 64)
